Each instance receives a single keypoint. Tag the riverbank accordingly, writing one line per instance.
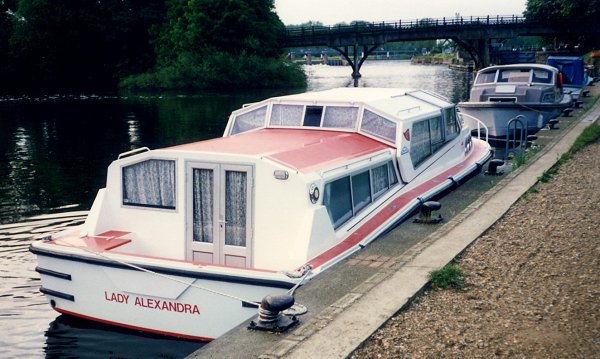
(532, 283)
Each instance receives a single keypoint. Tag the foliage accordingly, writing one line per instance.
(449, 276)
(219, 44)
(219, 70)
(67, 44)
(587, 11)
(545, 10)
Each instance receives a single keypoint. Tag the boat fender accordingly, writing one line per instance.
(493, 168)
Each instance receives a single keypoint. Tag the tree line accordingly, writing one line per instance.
(100, 45)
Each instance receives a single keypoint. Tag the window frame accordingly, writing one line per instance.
(149, 206)
(355, 209)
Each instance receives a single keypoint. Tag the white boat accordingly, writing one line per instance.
(529, 93)
(186, 240)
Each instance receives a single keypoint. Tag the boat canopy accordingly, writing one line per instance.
(572, 68)
(376, 113)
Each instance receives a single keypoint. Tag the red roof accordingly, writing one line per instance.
(302, 150)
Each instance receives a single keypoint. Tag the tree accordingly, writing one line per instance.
(68, 45)
(219, 43)
(576, 10)
(581, 11)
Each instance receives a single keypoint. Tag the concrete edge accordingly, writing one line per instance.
(346, 324)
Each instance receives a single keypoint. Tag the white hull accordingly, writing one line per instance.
(160, 303)
(496, 116)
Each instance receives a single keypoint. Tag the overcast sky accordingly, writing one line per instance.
(331, 12)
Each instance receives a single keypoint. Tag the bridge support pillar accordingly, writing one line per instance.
(479, 49)
(357, 60)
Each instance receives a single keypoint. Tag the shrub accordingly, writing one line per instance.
(449, 276)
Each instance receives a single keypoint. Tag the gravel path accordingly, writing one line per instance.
(533, 282)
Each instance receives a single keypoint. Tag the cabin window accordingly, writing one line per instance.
(347, 196)
(340, 117)
(361, 191)
(249, 121)
(378, 126)
(437, 138)
(338, 201)
(420, 147)
(383, 177)
(236, 195)
(542, 76)
(312, 116)
(287, 115)
(203, 184)
(486, 77)
(150, 183)
(514, 75)
(451, 125)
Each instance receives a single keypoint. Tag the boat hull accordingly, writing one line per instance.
(166, 301)
(496, 116)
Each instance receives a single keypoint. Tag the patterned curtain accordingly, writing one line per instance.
(203, 185)
(150, 183)
(235, 208)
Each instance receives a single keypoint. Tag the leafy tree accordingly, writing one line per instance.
(576, 10)
(72, 45)
(586, 11)
(219, 43)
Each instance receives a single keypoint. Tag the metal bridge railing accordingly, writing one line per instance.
(298, 31)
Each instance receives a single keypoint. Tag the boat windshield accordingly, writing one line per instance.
(486, 77)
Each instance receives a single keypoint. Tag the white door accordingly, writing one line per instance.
(219, 214)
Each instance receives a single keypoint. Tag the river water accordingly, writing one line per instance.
(54, 151)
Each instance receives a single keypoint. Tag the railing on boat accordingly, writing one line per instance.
(133, 152)
(480, 125)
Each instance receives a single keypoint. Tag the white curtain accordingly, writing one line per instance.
(378, 126)
(235, 208)
(203, 185)
(150, 183)
(420, 147)
(340, 117)
(249, 121)
(286, 115)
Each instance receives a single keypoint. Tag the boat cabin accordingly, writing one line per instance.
(519, 83)
(292, 177)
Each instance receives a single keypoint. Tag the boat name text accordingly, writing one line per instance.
(165, 305)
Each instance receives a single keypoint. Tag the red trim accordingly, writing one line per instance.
(133, 327)
(95, 243)
(299, 149)
(394, 207)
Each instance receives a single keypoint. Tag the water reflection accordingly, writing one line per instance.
(75, 338)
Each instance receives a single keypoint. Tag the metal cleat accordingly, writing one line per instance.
(493, 168)
(425, 215)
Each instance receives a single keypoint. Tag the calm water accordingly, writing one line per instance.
(54, 152)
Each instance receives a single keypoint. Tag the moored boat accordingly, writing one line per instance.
(529, 93)
(187, 240)
(572, 70)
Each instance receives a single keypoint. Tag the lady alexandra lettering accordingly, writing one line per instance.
(158, 304)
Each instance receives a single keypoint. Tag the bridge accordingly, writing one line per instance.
(473, 34)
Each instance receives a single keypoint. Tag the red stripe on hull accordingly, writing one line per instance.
(394, 207)
(132, 327)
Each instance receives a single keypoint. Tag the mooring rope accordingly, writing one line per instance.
(251, 302)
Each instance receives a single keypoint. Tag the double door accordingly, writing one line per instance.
(219, 214)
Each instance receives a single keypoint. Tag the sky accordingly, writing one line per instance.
(331, 12)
